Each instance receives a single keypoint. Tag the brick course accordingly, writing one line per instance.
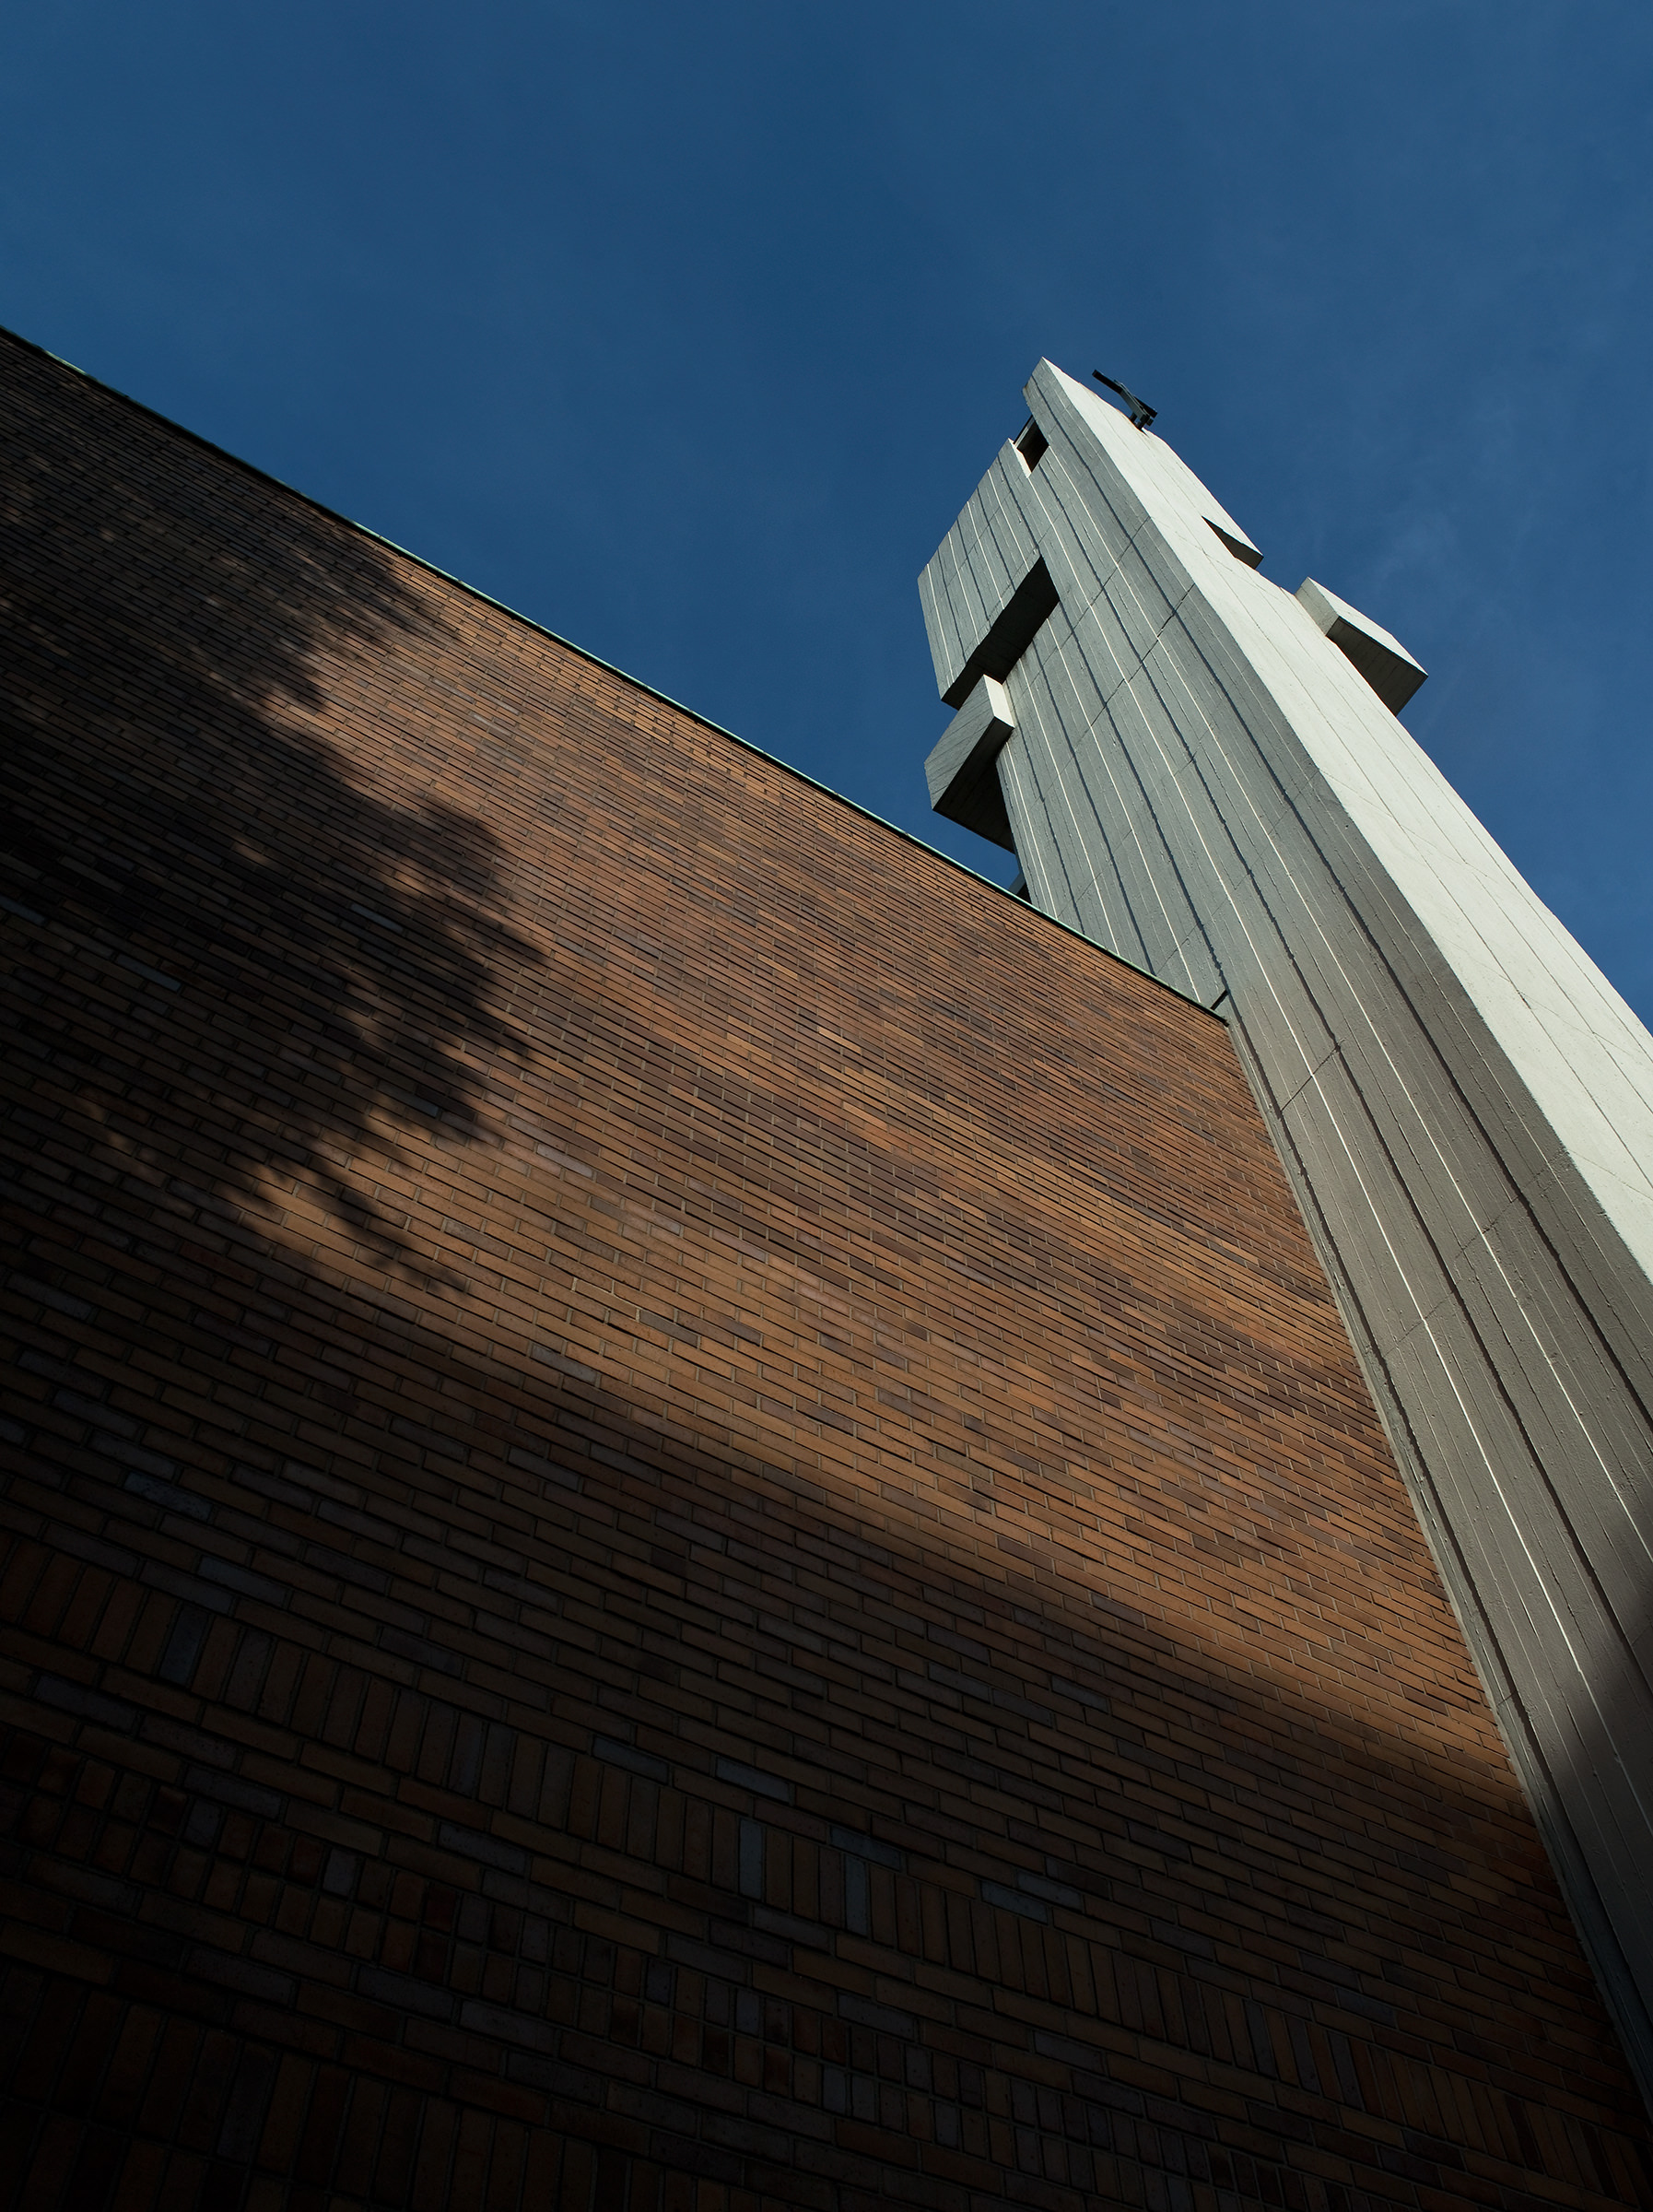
(686, 1524)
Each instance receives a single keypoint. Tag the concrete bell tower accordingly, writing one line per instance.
(1203, 772)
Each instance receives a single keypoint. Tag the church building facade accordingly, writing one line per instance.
(694, 1518)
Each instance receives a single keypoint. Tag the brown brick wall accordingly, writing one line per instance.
(686, 1524)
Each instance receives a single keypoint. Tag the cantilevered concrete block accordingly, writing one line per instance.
(1382, 660)
(1238, 544)
(1464, 1102)
(963, 769)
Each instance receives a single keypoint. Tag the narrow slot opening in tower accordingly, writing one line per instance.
(1032, 445)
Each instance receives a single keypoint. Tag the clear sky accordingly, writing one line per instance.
(686, 331)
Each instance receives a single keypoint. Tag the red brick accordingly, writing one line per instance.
(595, 1332)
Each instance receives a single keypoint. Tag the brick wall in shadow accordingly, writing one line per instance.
(173, 801)
(684, 1522)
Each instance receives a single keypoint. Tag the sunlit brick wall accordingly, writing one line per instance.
(686, 1524)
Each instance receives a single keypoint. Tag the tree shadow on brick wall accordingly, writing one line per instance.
(171, 824)
(602, 1614)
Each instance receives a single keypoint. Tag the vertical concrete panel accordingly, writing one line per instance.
(1206, 785)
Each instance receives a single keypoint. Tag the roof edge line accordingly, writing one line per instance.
(596, 660)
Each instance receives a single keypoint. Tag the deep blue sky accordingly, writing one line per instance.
(688, 330)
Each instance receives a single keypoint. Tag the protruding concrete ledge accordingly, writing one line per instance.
(1382, 660)
(1238, 543)
(964, 782)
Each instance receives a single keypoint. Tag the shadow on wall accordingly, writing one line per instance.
(163, 801)
(632, 1863)
(441, 1786)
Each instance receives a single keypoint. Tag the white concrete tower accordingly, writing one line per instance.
(1204, 774)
